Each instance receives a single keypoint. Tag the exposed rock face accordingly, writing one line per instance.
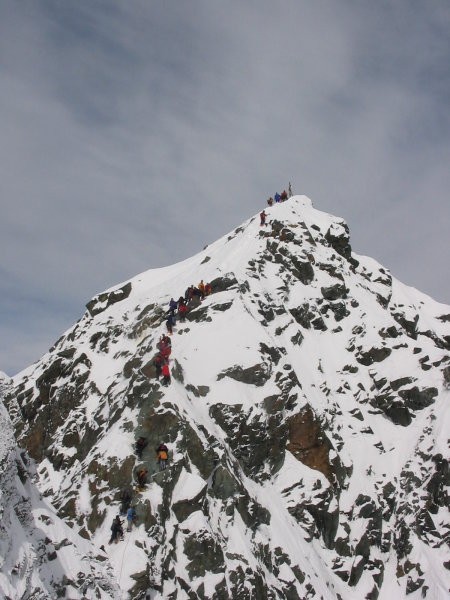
(304, 422)
(255, 375)
(103, 301)
(40, 556)
(308, 442)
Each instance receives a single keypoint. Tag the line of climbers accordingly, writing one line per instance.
(277, 198)
(162, 456)
(177, 309)
(117, 525)
(126, 496)
(181, 306)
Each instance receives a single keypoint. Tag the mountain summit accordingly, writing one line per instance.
(306, 423)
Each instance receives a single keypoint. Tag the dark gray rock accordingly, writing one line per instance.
(417, 399)
(253, 514)
(199, 391)
(220, 284)
(131, 366)
(446, 375)
(341, 243)
(303, 271)
(334, 292)
(274, 353)
(297, 339)
(222, 307)
(204, 554)
(410, 327)
(339, 310)
(177, 371)
(373, 355)
(266, 311)
(303, 315)
(224, 485)
(256, 375)
(259, 455)
(388, 332)
(184, 508)
(101, 302)
(199, 314)
(398, 383)
(393, 408)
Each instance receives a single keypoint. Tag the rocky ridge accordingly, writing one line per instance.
(40, 556)
(306, 422)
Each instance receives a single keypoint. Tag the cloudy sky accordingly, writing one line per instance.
(134, 133)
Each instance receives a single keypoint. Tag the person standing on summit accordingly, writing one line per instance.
(263, 216)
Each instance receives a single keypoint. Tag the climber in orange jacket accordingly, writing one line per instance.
(162, 454)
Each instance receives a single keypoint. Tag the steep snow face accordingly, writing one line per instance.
(40, 556)
(306, 422)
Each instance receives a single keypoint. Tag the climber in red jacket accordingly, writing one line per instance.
(165, 372)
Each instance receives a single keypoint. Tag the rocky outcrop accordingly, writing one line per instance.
(41, 557)
(308, 442)
(101, 302)
(256, 375)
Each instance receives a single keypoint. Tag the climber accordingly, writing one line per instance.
(164, 341)
(277, 197)
(170, 323)
(162, 454)
(201, 288)
(166, 374)
(196, 293)
(188, 293)
(284, 196)
(208, 289)
(182, 310)
(263, 217)
(165, 352)
(157, 363)
(125, 498)
(290, 190)
(131, 517)
(140, 445)
(116, 530)
(141, 476)
(173, 305)
(270, 201)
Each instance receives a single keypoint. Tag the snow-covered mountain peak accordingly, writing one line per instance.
(305, 421)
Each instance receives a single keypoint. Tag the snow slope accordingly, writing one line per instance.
(307, 422)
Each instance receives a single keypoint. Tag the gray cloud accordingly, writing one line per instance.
(134, 134)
